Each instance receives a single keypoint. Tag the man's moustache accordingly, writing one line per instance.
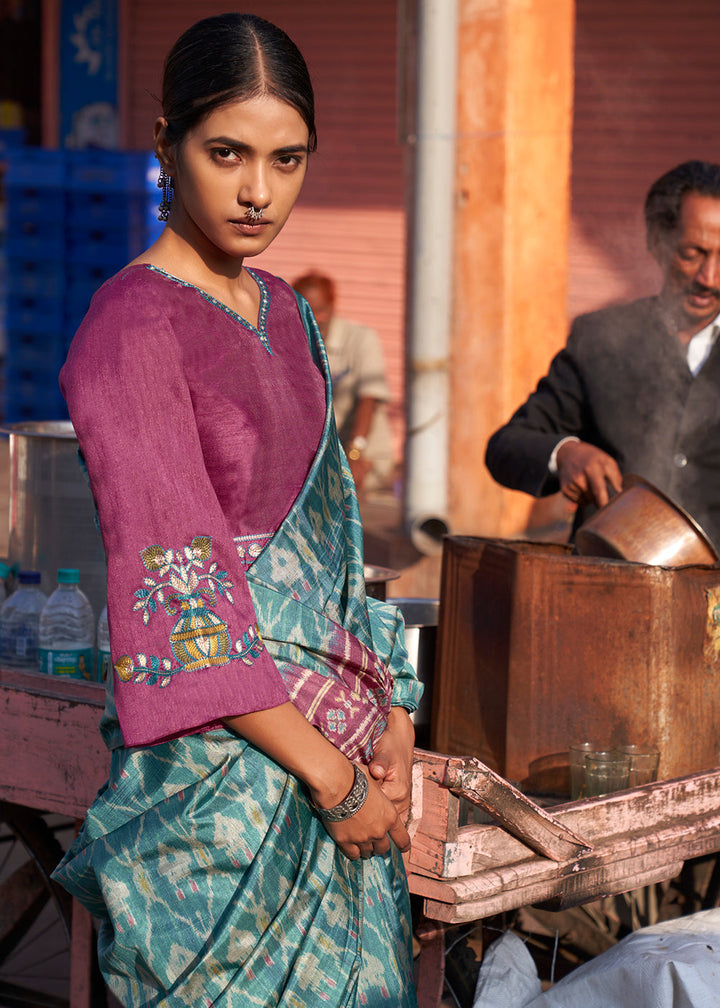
(704, 291)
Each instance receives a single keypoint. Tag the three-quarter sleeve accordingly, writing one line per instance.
(184, 638)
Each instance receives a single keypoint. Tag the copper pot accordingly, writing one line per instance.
(642, 524)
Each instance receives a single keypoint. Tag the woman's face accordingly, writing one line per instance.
(250, 153)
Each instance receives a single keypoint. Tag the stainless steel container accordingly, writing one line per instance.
(51, 508)
(421, 620)
(376, 579)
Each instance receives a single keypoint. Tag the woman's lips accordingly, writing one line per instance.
(246, 228)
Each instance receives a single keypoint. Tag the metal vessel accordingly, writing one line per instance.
(52, 514)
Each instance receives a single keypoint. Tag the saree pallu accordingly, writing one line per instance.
(215, 882)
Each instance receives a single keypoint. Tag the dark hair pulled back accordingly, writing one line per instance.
(664, 199)
(229, 57)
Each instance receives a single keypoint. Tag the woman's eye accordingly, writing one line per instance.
(224, 153)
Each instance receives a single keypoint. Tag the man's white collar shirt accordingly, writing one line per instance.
(699, 347)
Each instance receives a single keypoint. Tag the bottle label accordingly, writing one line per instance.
(77, 663)
(103, 666)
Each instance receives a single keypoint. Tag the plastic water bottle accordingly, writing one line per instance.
(67, 630)
(103, 648)
(20, 623)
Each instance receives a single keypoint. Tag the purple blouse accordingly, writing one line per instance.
(198, 431)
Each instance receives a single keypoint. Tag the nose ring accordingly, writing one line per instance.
(255, 214)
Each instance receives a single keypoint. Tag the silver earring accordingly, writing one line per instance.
(254, 215)
(166, 183)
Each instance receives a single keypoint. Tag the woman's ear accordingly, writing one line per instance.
(164, 151)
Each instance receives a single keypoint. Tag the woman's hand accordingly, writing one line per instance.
(392, 760)
(370, 830)
(287, 737)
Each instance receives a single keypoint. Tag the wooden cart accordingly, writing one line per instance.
(52, 760)
(579, 852)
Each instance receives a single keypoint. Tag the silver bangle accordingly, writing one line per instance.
(349, 806)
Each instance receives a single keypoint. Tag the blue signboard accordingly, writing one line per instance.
(88, 74)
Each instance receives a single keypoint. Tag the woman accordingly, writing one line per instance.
(246, 849)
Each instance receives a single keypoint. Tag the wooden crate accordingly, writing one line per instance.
(538, 648)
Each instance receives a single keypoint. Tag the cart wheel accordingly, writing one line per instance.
(35, 913)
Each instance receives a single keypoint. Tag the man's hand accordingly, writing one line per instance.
(391, 765)
(585, 471)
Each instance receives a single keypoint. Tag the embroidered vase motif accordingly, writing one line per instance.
(199, 638)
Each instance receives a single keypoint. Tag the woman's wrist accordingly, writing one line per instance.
(289, 738)
(331, 781)
(351, 803)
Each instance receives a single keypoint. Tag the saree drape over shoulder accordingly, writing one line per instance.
(235, 582)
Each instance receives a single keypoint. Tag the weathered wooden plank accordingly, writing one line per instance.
(52, 757)
(560, 895)
(440, 808)
(515, 812)
(638, 837)
(599, 820)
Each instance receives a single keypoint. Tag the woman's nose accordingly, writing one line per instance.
(256, 188)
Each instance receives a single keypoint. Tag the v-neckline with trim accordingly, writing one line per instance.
(260, 330)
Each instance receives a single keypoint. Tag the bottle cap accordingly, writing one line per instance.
(68, 575)
(29, 577)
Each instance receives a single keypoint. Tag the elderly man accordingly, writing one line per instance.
(637, 387)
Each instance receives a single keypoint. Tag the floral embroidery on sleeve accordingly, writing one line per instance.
(183, 586)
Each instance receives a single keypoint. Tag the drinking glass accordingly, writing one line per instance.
(578, 752)
(644, 762)
(606, 772)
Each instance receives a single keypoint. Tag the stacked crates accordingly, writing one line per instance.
(111, 204)
(9, 139)
(73, 219)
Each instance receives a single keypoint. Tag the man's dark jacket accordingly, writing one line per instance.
(622, 383)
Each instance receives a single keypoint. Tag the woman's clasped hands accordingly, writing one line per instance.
(380, 821)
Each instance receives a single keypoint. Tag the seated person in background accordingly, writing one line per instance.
(359, 388)
(636, 389)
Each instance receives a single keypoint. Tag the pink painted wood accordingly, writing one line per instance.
(51, 755)
(52, 759)
(629, 839)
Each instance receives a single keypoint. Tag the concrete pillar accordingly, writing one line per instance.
(515, 80)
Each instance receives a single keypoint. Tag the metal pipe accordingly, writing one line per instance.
(430, 277)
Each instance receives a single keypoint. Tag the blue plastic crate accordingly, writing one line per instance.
(33, 242)
(34, 314)
(35, 277)
(81, 288)
(136, 212)
(83, 279)
(26, 376)
(10, 139)
(35, 167)
(17, 408)
(86, 209)
(36, 362)
(28, 396)
(113, 248)
(43, 206)
(104, 171)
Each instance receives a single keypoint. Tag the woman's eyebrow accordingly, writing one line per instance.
(240, 145)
